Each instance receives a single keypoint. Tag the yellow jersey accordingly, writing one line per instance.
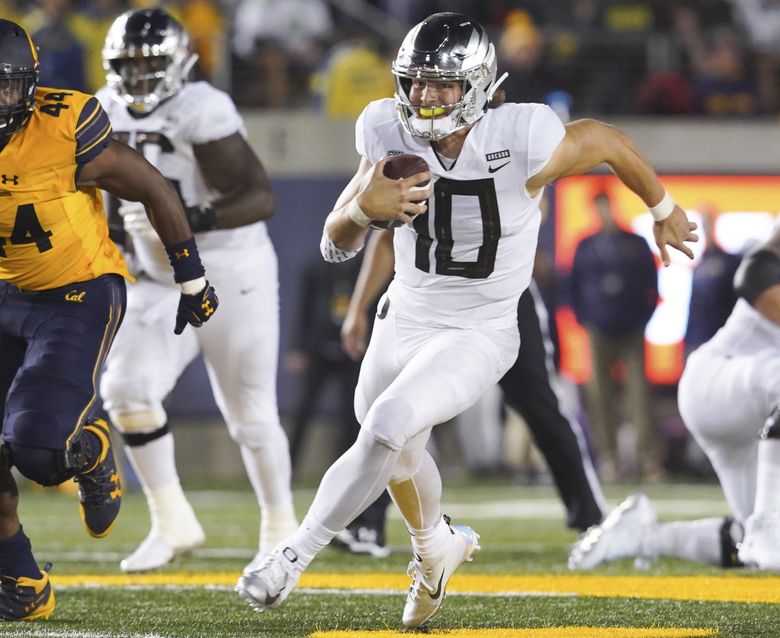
(52, 232)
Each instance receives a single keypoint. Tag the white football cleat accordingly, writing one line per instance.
(621, 535)
(761, 545)
(256, 561)
(430, 579)
(155, 551)
(269, 585)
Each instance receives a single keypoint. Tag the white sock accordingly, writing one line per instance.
(171, 514)
(276, 524)
(697, 540)
(154, 462)
(768, 476)
(309, 539)
(431, 543)
(269, 472)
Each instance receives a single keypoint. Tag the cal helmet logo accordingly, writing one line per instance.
(75, 295)
(497, 155)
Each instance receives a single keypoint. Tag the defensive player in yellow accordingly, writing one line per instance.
(62, 298)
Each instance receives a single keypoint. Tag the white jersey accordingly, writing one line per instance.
(746, 332)
(198, 114)
(467, 261)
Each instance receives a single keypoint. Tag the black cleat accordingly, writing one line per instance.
(26, 598)
(100, 492)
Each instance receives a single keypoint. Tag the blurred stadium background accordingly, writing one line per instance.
(694, 82)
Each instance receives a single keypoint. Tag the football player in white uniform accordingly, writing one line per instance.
(447, 326)
(193, 134)
(729, 388)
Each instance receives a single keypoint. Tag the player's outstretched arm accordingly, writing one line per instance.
(123, 172)
(590, 143)
(370, 195)
(375, 273)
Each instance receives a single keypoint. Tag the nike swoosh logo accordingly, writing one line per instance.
(493, 169)
(417, 557)
(270, 600)
(435, 595)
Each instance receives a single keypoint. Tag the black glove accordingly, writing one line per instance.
(196, 309)
(201, 218)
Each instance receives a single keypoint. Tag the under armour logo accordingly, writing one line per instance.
(75, 295)
(181, 255)
(208, 310)
(13, 179)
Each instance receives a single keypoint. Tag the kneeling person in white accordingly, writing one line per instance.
(447, 327)
(728, 397)
(193, 134)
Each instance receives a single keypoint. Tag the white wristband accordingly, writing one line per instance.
(355, 213)
(664, 208)
(193, 286)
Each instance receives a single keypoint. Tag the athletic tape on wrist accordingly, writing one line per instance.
(664, 208)
(356, 214)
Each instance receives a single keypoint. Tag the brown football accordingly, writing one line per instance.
(397, 167)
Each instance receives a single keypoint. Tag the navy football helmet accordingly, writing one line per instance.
(18, 78)
(147, 58)
(445, 47)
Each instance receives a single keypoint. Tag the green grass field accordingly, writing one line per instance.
(517, 586)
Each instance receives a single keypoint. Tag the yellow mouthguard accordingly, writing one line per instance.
(436, 111)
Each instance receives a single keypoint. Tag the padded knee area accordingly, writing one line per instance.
(390, 421)
(411, 457)
(41, 465)
(147, 420)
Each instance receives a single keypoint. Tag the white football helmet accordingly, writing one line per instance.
(445, 47)
(147, 58)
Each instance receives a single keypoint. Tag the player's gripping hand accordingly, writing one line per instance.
(196, 309)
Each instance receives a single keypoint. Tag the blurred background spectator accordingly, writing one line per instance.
(317, 357)
(614, 290)
(712, 288)
(521, 53)
(63, 56)
(353, 74)
(711, 57)
(278, 44)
